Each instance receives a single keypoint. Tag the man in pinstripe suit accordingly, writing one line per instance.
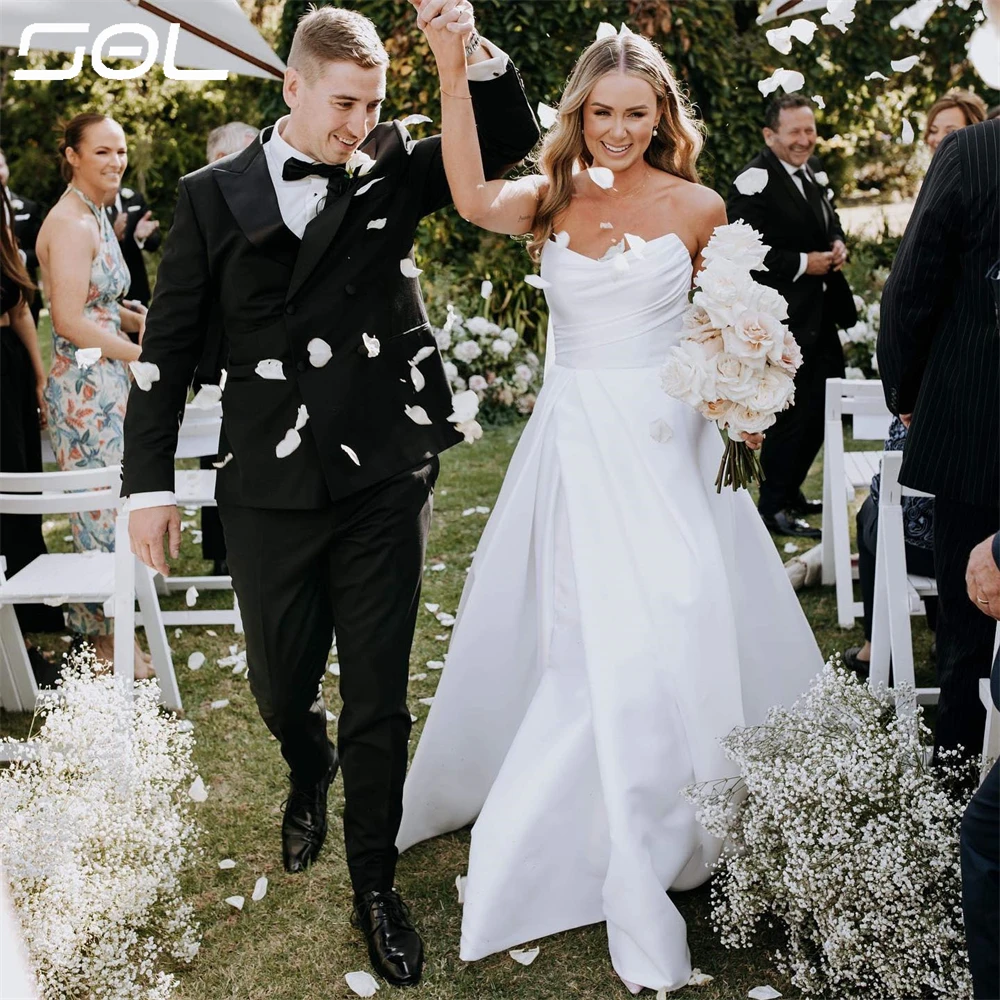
(939, 358)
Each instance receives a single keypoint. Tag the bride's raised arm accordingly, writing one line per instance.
(500, 206)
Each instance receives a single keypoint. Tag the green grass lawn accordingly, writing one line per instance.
(296, 944)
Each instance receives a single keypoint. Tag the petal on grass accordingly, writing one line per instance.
(524, 956)
(259, 889)
(226, 863)
(763, 993)
(460, 881)
(221, 703)
(190, 596)
(198, 792)
(196, 660)
(235, 901)
(361, 984)
(486, 289)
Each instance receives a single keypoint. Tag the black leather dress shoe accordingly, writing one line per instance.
(804, 507)
(394, 946)
(851, 661)
(786, 523)
(303, 828)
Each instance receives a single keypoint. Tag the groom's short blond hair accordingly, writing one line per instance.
(332, 34)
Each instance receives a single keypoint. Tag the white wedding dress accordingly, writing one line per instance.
(620, 618)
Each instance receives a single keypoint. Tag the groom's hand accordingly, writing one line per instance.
(438, 14)
(146, 528)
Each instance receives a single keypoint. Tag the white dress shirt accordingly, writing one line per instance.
(300, 200)
(797, 181)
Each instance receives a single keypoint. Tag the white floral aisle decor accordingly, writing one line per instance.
(737, 363)
(845, 838)
(492, 362)
(95, 831)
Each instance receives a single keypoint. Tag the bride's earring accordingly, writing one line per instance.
(656, 131)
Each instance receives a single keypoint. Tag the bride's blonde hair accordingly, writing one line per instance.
(674, 149)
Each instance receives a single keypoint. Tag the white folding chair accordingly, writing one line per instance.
(195, 488)
(898, 594)
(115, 579)
(844, 473)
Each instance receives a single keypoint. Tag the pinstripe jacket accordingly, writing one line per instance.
(939, 342)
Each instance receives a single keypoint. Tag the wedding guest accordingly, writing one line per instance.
(137, 231)
(918, 536)
(796, 215)
(26, 216)
(84, 276)
(22, 414)
(957, 109)
(939, 359)
(228, 139)
(980, 837)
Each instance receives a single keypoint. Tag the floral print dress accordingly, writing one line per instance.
(86, 406)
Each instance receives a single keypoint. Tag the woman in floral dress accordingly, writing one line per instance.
(84, 276)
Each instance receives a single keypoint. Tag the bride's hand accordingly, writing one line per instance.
(446, 25)
(752, 441)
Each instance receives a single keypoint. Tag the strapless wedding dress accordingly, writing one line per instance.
(620, 618)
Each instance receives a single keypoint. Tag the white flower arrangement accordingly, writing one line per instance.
(737, 363)
(846, 838)
(95, 830)
(859, 340)
(481, 357)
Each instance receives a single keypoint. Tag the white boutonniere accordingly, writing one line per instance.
(359, 164)
(821, 178)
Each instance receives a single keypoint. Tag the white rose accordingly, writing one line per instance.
(359, 163)
(699, 324)
(765, 299)
(723, 292)
(477, 383)
(467, 351)
(717, 410)
(686, 373)
(458, 384)
(739, 245)
(740, 418)
(524, 373)
(477, 325)
(510, 335)
(790, 358)
(735, 381)
(532, 359)
(450, 371)
(822, 178)
(443, 338)
(501, 347)
(753, 336)
(775, 390)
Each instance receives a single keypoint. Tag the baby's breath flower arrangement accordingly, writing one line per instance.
(95, 830)
(842, 835)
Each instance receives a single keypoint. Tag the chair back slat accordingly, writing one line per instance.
(60, 492)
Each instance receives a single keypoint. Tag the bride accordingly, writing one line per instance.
(620, 616)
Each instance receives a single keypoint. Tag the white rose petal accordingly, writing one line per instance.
(417, 378)
(637, 245)
(699, 978)
(320, 352)
(791, 547)
(607, 225)
(822, 178)
(906, 133)
(780, 39)
(464, 406)
(433, 608)
(763, 993)
(224, 462)
(236, 901)
(426, 701)
(196, 660)
(562, 238)
(376, 224)
(198, 792)
(302, 417)
(753, 180)
(422, 355)
(367, 187)
(351, 454)
(288, 443)
(435, 664)
(221, 703)
(547, 116)
(876, 76)
(536, 281)
(605, 30)
(790, 80)
(486, 289)
(259, 889)
(145, 373)
(270, 368)
(206, 397)
(190, 596)
(418, 415)
(904, 65)
(362, 984)
(524, 956)
(416, 120)
(660, 431)
(914, 18)
(620, 264)
(839, 13)
(438, 567)
(460, 881)
(818, 101)
(482, 509)
(226, 863)
(372, 345)
(87, 356)
(408, 269)
(602, 177)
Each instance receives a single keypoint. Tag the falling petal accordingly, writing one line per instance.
(660, 431)
(904, 65)
(259, 889)
(367, 187)
(605, 30)
(302, 417)
(351, 454)
(791, 547)
(334, 669)
(177, 631)
(607, 225)
(224, 462)
(236, 901)
(802, 29)
(906, 135)
(206, 397)
(221, 703)
(524, 956)
(145, 374)
(752, 181)
(362, 984)
(789, 80)
(637, 245)
(426, 701)
(416, 120)
(536, 281)
(413, 718)
(372, 345)
(211, 632)
(914, 18)
(226, 863)
(625, 30)
(198, 792)
(417, 378)
(190, 596)
(270, 368)
(763, 993)
(87, 356)
(482, 509)
(196, 660)
(602, 177)
(320, 352)
(418, 415)
(780, 39)
(222, 379)
(408, 269)
(288, 443)
(818, 101)
(438, 567)
(422, 355)
(418, 677)
(460, 881)
(547, 116)
(433, 608)
(376, 224)
(562, 238)
(486, 289)
(471, 430)
(876, 76)
(839, 13)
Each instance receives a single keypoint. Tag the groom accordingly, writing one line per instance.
(302, 244)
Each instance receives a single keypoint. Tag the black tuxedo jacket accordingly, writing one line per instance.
(134, 206)
(790, 228)
(939, 342)
(230, 257)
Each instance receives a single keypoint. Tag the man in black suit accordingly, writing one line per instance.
(27, 220)
(137, 231)
(335, 408)
(939, 358)
(794, 213)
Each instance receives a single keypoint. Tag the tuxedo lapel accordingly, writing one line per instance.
(792, 193)
(318, 236)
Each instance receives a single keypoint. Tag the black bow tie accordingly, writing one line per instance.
(295, 169)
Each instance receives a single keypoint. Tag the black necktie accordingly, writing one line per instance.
(814, 198)
(335, 173)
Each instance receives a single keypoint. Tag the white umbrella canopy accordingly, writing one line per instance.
(214, 34)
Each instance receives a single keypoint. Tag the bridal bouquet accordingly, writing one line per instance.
(737, 363)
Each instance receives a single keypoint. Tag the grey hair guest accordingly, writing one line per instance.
(228, 139)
